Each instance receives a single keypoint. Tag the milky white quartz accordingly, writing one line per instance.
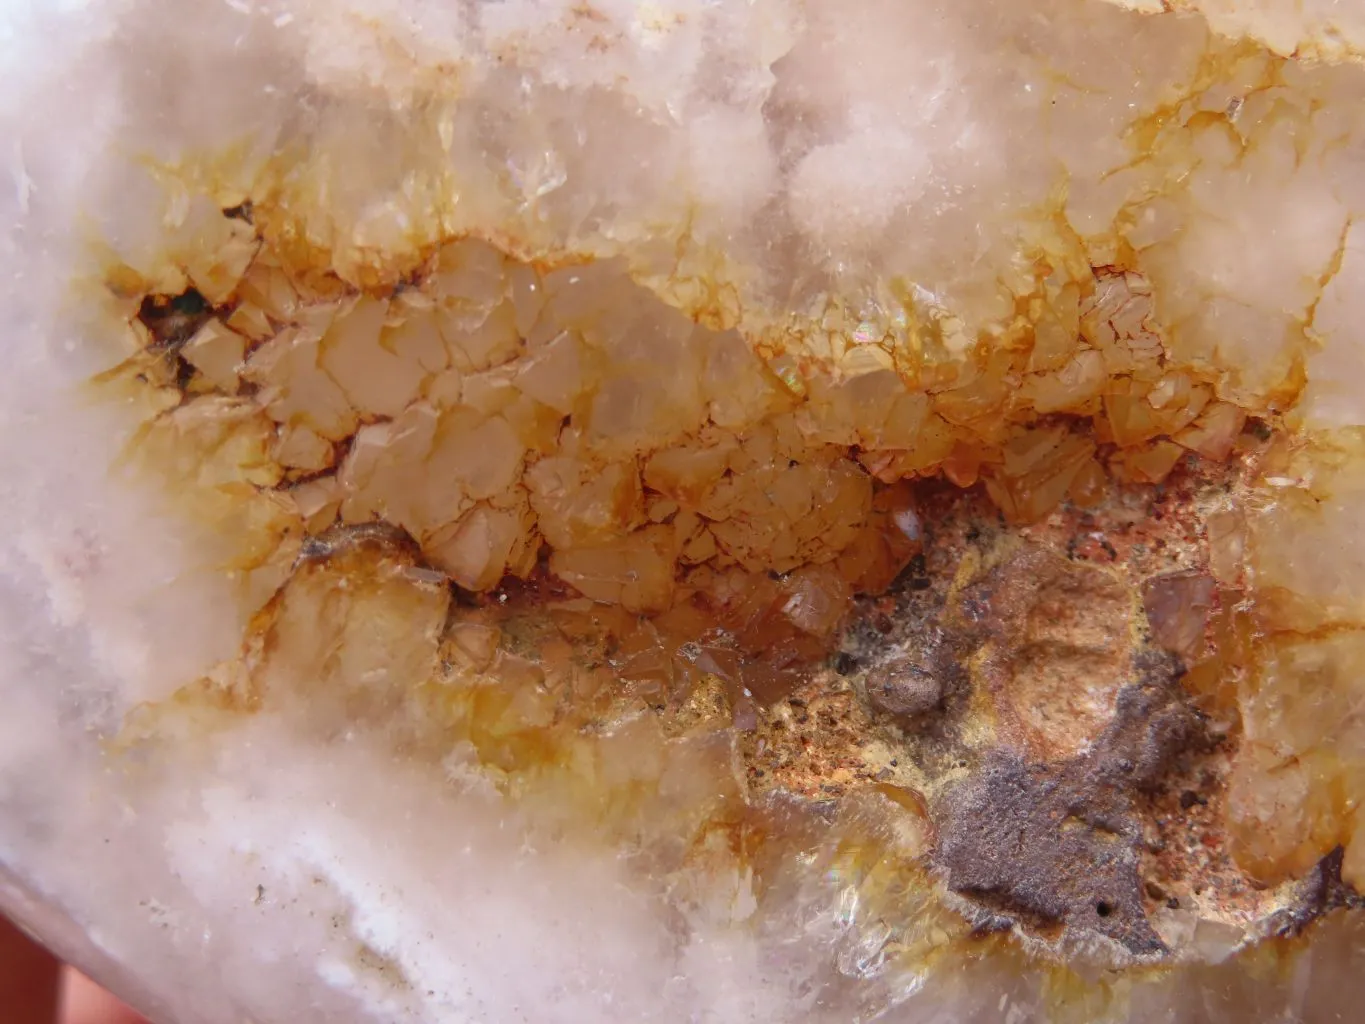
(1329, 29)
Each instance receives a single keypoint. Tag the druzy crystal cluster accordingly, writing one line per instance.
(747, 510)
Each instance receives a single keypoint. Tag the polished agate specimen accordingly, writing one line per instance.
(738, 511)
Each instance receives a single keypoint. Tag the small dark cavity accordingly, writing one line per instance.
(190, 303)
(184, 373)
(1189, 798)
(242, 211)
(173, 320)
(915, 575)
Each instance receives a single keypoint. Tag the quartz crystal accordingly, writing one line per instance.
(699, 510)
